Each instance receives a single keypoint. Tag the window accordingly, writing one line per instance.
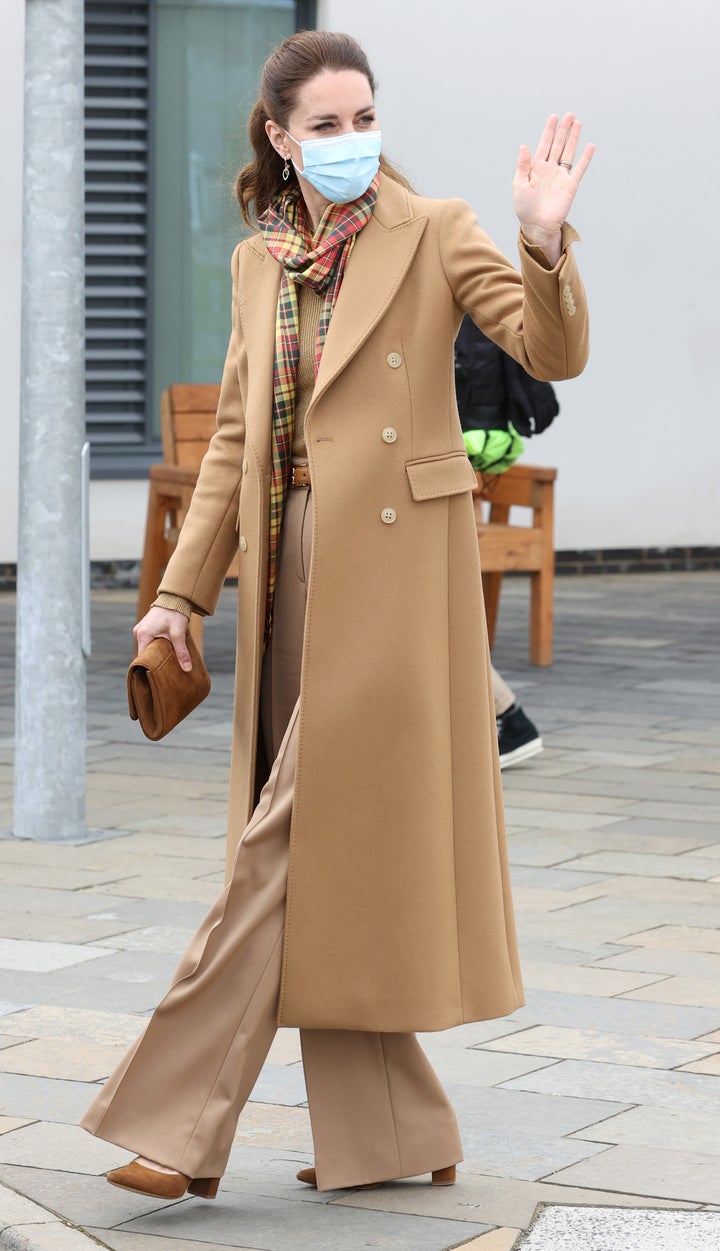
(116, 229)
(168, 86)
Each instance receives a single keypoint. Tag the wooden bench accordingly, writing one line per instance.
(505, 546)
(187, 414)
(187, 417)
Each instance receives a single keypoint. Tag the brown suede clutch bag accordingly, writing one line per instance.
(160, 693)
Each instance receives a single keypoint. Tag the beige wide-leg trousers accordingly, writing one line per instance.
(377, 1109)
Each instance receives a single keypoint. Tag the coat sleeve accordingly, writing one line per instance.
(538, 315)
(208, 538)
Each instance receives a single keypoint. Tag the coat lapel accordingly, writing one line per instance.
(378, 263)
(258, 286)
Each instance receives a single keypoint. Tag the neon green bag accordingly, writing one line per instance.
(493, 451)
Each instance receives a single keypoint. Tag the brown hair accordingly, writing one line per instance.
(293, 63)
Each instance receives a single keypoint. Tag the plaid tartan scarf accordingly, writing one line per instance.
(318, 261)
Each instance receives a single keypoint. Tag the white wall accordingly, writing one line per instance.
(12, 25)
(461, 85)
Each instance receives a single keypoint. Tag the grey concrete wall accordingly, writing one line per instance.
(461, 85)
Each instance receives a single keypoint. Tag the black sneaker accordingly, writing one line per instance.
(518, 738)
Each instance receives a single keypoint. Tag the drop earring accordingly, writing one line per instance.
(286, 171)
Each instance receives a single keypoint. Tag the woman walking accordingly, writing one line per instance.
(368, 892)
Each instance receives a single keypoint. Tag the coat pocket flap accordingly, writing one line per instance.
(440, 475)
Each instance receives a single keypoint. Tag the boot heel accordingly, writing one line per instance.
(444, 1176)
(204, 1187)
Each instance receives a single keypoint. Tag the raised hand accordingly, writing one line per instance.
(545, 184)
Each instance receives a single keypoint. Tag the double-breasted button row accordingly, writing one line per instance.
(389, 435)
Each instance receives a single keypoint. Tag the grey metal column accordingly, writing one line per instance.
(51, 717)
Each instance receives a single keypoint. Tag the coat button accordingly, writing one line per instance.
(245, 466)
(394, 360)
(388, 515)
(243, 543)
(389, 435)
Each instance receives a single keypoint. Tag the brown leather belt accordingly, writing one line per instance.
(300, 476)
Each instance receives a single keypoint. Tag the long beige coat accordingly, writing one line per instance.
(399, 915)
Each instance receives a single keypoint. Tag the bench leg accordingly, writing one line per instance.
(542, 583)
(156, 552)
(491, 585)
(541, 617)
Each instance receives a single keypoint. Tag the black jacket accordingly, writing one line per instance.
(492, 389)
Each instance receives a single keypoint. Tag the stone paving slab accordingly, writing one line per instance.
(71, 989)
(567, 1229)
(664, 779)
(65, 930)
(681, 990)
(304, 1226)
(44, 1098)
(502, 1201)
(657, 866)
(480, 1066)
(654, 1171)
(280, 1084)
(273, 1125)
(79, 1024)
(621, 1082)
(599, 918)
(686, 1128)
(164, 939)
(84, 1200)
(623, 1049)
(557, 879)
(58, 1057)
(119, 1241)
(677, 937)
(496, 1240)
(621, 1016)
(123, 966)
(66, 1148)
(41, 900)
(45, 957)
(25, 1226)
(9, 1123)
(146, 912)
(710, 1065)
(584, 980)
(670, 893)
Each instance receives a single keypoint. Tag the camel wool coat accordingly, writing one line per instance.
(399, 915)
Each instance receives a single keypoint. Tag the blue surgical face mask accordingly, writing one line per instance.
(341, 167)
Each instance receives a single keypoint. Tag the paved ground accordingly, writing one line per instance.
(601, 1092)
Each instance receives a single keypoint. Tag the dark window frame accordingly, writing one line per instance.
(129, 457)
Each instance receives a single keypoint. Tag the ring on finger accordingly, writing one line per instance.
(566, 165)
